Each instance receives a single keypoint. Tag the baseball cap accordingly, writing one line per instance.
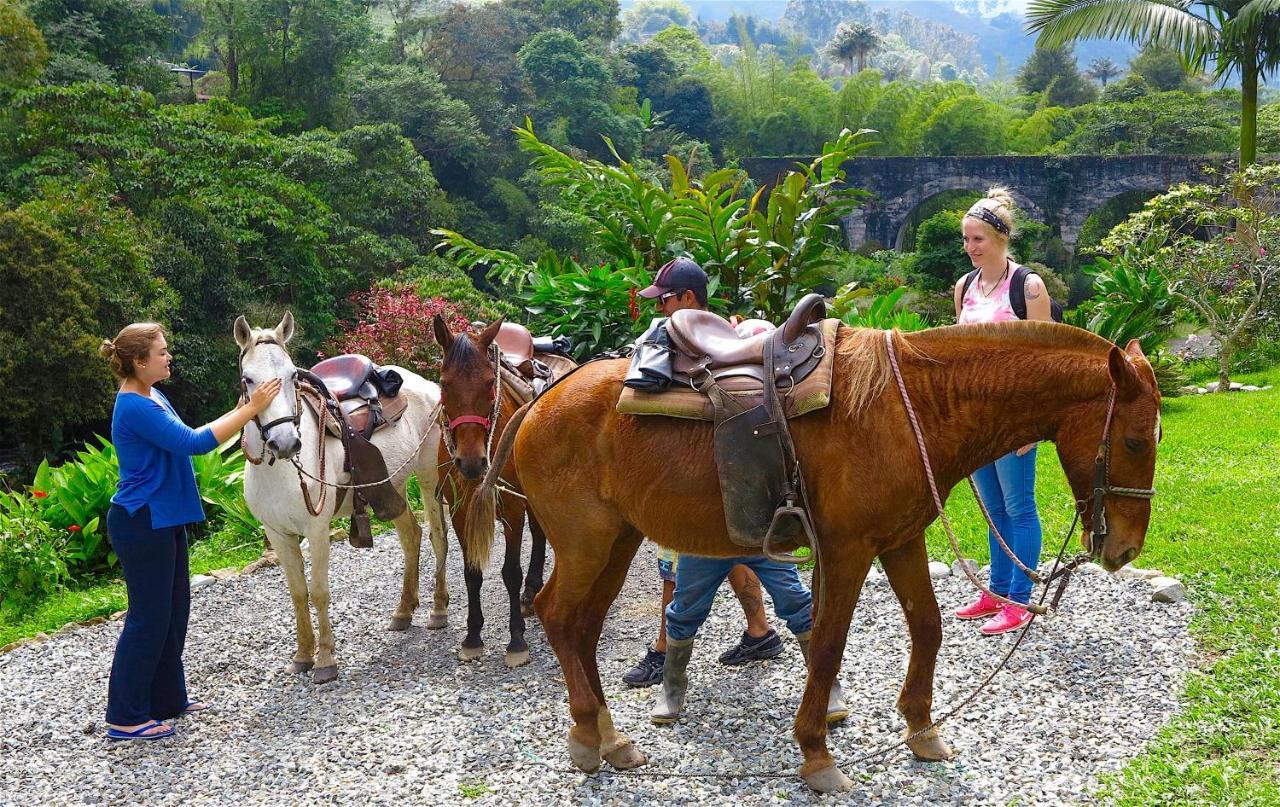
(681, 273)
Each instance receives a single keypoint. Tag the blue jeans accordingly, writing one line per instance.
(1008, 489)
(147, 680)
(698, 579)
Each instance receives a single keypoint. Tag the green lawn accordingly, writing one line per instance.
(217, 551)
(1215, 526)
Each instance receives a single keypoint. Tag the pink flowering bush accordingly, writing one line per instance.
(394, 327)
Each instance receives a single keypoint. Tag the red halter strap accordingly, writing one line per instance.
(476, 419)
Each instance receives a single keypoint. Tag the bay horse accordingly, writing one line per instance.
(274, 490)
(598, 481)
(476, 408)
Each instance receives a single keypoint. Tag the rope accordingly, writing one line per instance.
(413, 455)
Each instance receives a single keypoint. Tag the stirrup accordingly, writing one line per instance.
(800, 514)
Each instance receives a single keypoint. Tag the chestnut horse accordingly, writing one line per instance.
(468, 386)
(598, 481)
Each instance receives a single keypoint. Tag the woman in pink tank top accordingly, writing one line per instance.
(1008, 485)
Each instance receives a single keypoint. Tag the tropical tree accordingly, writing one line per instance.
(1103, 70)
(853, 41)
(1235, 36)
(1053, 71)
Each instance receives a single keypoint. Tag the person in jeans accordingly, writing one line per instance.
(681, 283)
(1008, 485)
(154, 502)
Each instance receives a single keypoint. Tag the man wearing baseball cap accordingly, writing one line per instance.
(681, 283)
(689, 584)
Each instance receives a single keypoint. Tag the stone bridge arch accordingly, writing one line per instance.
(1059, 191)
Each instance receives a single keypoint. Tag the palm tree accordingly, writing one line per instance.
(853, 41)
(1234, 35)
(1103, 70)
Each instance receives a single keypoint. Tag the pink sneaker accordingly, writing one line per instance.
(1011, 617)
(985, 605)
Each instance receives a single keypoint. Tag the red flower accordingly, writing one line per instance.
(631, 305)
(39, 494)
(74, 528)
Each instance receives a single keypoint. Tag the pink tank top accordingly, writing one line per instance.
(978, 307)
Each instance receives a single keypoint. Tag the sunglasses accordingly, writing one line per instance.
(662, 298)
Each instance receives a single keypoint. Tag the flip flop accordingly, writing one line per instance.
(139, 733)
(199, 707)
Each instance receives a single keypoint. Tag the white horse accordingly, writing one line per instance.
(273, 489)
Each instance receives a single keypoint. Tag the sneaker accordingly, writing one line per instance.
(749, 649)
(1011, 617)
(648, 672)
(985, 605)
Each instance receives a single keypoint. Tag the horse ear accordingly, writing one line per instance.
(1123, 374)
(490, 333)
(284, 331)
(444, 336)
(242, 332)
(1134, 349)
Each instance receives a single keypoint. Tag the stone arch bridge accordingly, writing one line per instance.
(1059, 191)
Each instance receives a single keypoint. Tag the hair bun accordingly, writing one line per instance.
(107, 349)
(1001, 196)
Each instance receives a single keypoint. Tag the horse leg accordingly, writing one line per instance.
(410, 535)
(517, 654)
(571, 609)
(440, 545)
(326, 664)
(289, 554)
(840, 585)
(907, 569)
(472, 645)
(616, 748)
(537, 566)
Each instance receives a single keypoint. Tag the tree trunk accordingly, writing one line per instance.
(1249, 106)
(233, 71)
(1224, 366)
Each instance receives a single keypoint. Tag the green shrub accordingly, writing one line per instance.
(76, 497)
(31, 562)
(433, 276)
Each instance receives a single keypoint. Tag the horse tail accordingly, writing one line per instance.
(483, 509)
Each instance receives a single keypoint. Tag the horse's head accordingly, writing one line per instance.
(263, 356)
(468, 392)
(1108, 451)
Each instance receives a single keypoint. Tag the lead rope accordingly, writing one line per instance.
(1036, 609)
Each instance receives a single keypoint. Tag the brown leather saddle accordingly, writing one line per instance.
(537, 361)
(362, 399)
(750, 387)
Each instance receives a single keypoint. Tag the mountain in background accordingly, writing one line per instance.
(997, 25)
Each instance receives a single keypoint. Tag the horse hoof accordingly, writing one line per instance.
(929, 746)
(625, 757)
(518, 658)
(325, 675)
(437, 621)
(828, 780)
(585, 757)
(400, 623)
(470, 653)
(299, 667)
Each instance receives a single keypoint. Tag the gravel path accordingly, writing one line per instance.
(407, 723)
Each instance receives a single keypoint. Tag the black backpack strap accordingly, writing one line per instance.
(1018, 291)
(968, 281)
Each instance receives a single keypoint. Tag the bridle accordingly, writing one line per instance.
(486, 423)
(1102, 487)
(295, 418)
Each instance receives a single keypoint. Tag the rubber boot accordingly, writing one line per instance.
(675, 681)
(837, 709)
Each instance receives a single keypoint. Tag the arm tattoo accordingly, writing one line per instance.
(1034, 288)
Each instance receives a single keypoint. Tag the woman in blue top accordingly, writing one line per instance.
(155, 500)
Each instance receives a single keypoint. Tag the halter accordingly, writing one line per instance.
(485, 423)
(295, 418)
(1102, 487)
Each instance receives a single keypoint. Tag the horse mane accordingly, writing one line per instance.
(862, 361)
(462, 351)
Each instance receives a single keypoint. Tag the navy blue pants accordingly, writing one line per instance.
(147, 681)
